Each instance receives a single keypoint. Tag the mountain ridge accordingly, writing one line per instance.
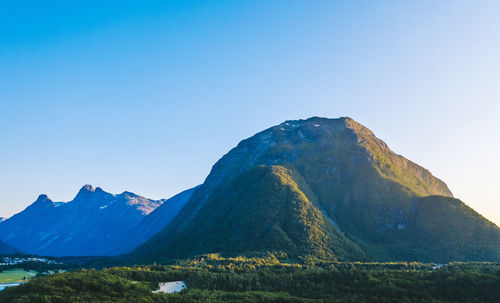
(94, 223)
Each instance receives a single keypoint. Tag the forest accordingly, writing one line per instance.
(212, 278)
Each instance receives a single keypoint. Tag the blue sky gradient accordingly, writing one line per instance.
(146, 96)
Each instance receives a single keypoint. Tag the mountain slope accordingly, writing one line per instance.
(7, 249)
(94, 223)
(385, 204)
(444, 229)
(262, 210)
(155, 221)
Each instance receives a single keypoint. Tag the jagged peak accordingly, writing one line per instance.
(128, 193)
(98, 189)
(43, 201)
(86, 191)
(87, 188)
(43, 198)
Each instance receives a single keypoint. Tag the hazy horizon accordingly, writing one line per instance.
(147, 97)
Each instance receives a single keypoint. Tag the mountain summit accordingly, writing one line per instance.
(43, 201)
(328, 188)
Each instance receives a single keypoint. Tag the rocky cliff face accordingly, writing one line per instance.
(371, 194)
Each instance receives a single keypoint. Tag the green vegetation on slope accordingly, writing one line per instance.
(395, 167)
(274, 209)
(261, 210)
(444, 229)
(215, 279)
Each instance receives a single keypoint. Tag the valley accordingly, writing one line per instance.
(212, 278)
(293, 151)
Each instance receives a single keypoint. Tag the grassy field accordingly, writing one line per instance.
(15, 275)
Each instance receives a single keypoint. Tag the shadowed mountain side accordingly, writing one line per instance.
(446, 229)
(155, 221)
(7, 249)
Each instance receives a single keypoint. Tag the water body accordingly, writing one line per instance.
(171, 287)
(3, 286)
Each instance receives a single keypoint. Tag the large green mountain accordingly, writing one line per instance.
(326, 188)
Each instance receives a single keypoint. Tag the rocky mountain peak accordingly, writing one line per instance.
(339, 146)
(128, 194)
(42, 197)
(86, 192)
(43, 201)
(87, 188)
(315, 127)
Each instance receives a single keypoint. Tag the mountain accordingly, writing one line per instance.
(7, 249)
(155, 221)
(327, 188)
(94, 223)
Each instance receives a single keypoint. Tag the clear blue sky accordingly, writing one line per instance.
(146, 96)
